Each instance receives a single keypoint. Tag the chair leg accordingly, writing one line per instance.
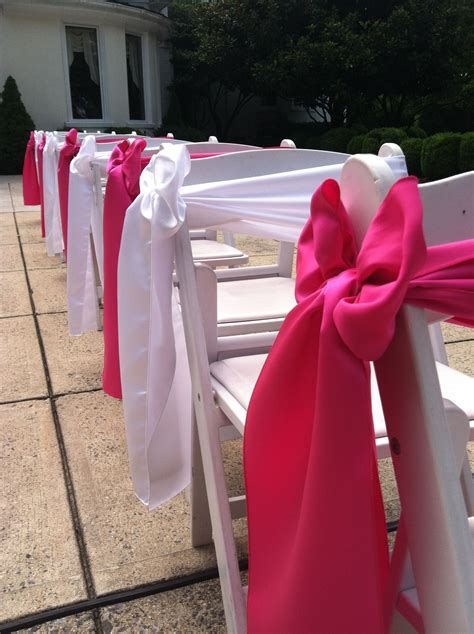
(201, 527)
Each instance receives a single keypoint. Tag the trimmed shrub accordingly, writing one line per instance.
(387, 135)
(370, 144)
(415, 132)
(412, 150)
(466, 152)
(15, 127)
(440, 155)
(336, 140)
(355, 144)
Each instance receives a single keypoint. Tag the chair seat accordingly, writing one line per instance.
(211, 250)
(255, 299)
(238, 375)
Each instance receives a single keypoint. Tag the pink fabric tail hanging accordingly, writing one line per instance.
(309, 452)
(31, 191)
(123, 186)
(40, 179)
(67, 153)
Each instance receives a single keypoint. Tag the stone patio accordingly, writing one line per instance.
(72, 530)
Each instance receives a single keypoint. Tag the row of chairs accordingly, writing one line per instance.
(241, 315)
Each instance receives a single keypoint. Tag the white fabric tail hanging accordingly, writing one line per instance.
(52, 214)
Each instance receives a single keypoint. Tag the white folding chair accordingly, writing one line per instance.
(221, 392)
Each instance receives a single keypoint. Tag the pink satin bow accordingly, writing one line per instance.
(318, 555)
(31, 193)
(123, 186)
(66, 154)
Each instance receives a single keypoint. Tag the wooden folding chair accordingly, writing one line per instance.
(221, 392)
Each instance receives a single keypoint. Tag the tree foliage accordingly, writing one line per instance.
(15, 127)
(379, 63)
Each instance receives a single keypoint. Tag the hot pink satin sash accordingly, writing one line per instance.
(124, 169)
(31, 192)
(310, 460)
(67, 153)
(41, 145)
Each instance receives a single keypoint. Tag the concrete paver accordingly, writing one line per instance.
(8, 235)
(127, 545)
(452, 333)
(461, 356)
(29, 227)
(21, 367)
(14, 296)
(75, 363)
(37, 258)
(197, 608)
(49, 290)
(10, 258)
(7, 219)
(38, 554)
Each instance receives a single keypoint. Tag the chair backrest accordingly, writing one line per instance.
(250, 163)
(427, 477)
(215, 146)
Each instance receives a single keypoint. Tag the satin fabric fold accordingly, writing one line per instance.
(31, 192)
(39, 151)
(68, 151)
(83, 311)
(309, 446)
(123, 186)
(52, 214)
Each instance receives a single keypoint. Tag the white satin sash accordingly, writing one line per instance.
(153, 362)
(52, 214)
(82, 301)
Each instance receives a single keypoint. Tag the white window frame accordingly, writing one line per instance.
(85, 122)
(146, 122)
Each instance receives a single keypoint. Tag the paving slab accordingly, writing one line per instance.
(39, 559)
(37, 258)
(6, 206)
(78, 624)
(8, 234)
(256, 246)
(14, 296)
(7, 220)
(29, 227)
(127, 545)
(452, 333)
(10, 258)
(21, 367)
(197, 608)
(461, 356)
(75, 363)
(49, 290)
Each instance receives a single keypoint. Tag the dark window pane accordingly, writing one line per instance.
(84, 73)
(136, 101)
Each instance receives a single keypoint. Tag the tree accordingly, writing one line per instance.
(15, 126)
(218, 49)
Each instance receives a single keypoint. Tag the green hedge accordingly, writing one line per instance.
(466, 152)
(355, 144)
(370, 144)
(15, 127)
(412, 150)
(440, 155)
(336, 140)
(387, 135)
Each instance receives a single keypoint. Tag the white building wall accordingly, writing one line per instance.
(32, 54)
(33, 50)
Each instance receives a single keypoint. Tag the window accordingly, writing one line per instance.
(136, 102)
(84, 73)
